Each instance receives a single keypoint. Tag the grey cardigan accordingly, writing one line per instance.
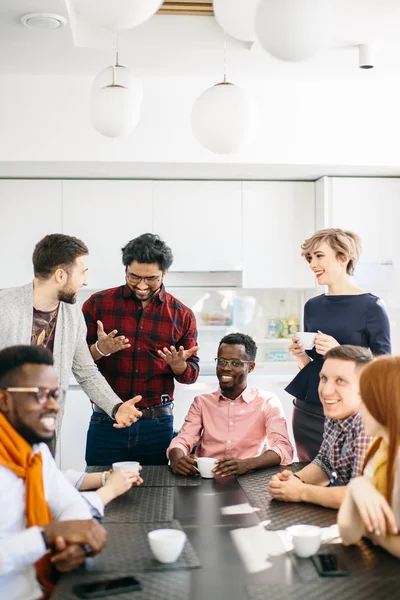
(71, 352)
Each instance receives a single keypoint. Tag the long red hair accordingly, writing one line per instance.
(380, 392)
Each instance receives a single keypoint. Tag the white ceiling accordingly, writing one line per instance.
(173, 45)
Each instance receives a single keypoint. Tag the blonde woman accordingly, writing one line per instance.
(345, 314)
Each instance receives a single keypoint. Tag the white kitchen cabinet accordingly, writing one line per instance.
(72, 442)
(369, 206)
(106, 215)
(202, 222)
(29, 210)
(277, 217)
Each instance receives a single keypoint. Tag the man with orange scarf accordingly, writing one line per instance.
(45, 526)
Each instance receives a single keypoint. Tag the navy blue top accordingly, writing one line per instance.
(360, 320)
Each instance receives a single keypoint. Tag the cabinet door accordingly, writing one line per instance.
(277, 217)
(72, 443)
(202, 222)
(106, 215)
(29, 210)
(368, 207)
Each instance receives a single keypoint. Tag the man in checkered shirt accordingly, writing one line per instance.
(344, 444)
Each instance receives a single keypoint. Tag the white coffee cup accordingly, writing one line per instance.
(205, 466)
(307, 339)
(166, 544)
(129, 466)
(306, 539)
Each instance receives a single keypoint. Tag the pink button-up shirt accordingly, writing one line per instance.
(241, 428)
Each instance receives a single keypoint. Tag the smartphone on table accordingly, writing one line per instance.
(99, 589)
(329, 565)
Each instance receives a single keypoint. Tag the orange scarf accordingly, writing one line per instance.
(16, 455)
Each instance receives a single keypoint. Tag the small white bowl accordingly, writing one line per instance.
(129, 466)
(306, 539)
(166, 544)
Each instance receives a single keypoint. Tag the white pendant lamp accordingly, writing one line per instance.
(115, 101)
(224, 117)
(292, 30)
(237, 17)
(118, 14)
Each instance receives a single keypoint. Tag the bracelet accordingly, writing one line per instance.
(295, 475)
(99, 351)
(103, 478)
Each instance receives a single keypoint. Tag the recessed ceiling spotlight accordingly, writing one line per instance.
(43, 21)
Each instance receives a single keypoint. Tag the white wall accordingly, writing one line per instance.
(342, 122)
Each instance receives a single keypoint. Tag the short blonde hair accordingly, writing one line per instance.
(346, 244)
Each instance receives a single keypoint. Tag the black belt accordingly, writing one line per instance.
(151, 412)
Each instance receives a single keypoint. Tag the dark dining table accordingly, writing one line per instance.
(210, 566)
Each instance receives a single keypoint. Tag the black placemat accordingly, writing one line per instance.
(157, 476)
(155, 586)
(361, 560)
(141, 505)
(282, 514)
(129, 548)
(345, 588)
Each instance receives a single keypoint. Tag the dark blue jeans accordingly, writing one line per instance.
(145, 441)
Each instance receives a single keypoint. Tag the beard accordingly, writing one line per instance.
(149, 296)
(30, 435)
(67, 295)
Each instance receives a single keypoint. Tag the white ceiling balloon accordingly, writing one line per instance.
(224, 118)
(293, 30)
(237, 17)
(118, 14)
(115, 101)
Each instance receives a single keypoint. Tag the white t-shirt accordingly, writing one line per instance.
(395, 504)
(21, 547)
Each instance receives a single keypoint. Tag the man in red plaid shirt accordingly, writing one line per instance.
(152, 341)
(344, 444)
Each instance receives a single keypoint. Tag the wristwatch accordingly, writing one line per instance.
(114, 410)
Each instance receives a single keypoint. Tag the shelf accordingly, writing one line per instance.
(214, 327)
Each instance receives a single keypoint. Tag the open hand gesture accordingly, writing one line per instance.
(176, 359)
(109, 343)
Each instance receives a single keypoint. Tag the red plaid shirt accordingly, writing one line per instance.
(343, 449)
(139, 369)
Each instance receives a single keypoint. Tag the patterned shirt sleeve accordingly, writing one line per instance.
(321, 460)
(362, 443)
(88, 310)
(189, 340)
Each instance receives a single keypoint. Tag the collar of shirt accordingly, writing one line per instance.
(345, 425)
(246, 395)
(159, 297)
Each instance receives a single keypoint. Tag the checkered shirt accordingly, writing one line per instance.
(343, 449)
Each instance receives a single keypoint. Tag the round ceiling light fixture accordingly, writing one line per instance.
(43, 21)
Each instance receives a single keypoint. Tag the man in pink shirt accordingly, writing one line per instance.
(242, 427)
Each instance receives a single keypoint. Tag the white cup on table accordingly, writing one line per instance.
(306, 338)
(166, 544)
(128, 466)
(306, 539)
(205, 465)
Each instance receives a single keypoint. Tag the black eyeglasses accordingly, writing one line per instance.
(235, 363)
(136, 279)
(42, 395)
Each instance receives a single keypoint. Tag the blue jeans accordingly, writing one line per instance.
(145, 441)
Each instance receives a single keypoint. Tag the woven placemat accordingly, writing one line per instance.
(155, 586)
(129, 548)
(282, 514)
(345, 588)
(361, 560)
(141, 505)
(157, 476)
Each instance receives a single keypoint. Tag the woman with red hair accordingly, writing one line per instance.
(372, 504)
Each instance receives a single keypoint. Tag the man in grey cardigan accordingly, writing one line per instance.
(45, 313)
